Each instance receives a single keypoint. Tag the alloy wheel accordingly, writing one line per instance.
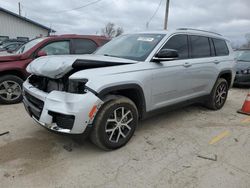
(118, 124)
(10, 90)
(221, 94)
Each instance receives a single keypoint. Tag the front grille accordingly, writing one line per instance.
(36, 105)
(36, 102)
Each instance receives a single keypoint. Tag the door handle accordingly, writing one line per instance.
(187, 64)
(216, 62)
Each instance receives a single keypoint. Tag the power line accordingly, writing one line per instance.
(76, 8)
(157, 9)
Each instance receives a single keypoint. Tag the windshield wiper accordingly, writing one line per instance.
(108, 55)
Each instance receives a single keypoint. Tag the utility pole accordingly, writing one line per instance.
(19, 9)
(166, 15)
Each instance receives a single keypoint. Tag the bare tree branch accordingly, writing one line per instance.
(111, 31)
(247, 45)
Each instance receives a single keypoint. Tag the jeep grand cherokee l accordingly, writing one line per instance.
(105, 94)
(12, 67)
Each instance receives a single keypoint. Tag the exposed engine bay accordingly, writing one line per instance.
(43, 79)
(63, 84)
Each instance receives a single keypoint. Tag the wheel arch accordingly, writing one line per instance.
(227, 75)
(17, 73)
(133, 91)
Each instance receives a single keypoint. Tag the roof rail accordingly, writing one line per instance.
(199, 30)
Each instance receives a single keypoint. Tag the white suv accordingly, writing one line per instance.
(105, 94)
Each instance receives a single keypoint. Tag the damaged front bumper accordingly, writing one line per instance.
(61, 111)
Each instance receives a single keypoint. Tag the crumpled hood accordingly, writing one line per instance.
(57, 66)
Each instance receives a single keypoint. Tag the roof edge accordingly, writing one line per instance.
(26, 19)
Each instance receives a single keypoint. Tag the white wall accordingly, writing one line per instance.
(14, 27)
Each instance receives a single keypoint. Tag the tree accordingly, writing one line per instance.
(247, 44)
(111, 31)
(119, 31)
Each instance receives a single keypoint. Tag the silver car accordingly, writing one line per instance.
(106, 93)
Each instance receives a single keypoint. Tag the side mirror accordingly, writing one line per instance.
(166, 55)
(41, 53)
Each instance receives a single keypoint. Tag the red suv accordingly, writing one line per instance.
(13, 67)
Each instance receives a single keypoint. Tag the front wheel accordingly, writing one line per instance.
(115, 124)
(218, 95)
(10, 89)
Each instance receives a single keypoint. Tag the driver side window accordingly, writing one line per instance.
(178, 43)
(57, 48)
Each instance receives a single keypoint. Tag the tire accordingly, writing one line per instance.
(10, 89)
(110, 135)
(218, 95)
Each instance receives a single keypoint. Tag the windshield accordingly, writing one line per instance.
(244, 56)
(135, 46)
(29, 45)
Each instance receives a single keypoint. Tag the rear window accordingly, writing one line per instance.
(84, 46)
(200, 47)
(221, 48)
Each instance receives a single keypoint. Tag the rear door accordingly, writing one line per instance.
(202, 61)
(83, 46)
(222, 55)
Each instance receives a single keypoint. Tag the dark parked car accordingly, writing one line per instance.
(13, 67)
(11, 47)
(23, 40)
(242, 68)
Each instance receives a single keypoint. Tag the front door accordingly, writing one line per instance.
(170, 78)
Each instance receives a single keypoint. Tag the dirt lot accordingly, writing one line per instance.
(163, 153)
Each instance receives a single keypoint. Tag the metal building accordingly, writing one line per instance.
(14, 26)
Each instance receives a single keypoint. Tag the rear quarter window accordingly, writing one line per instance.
(221, 48)
(84, 46)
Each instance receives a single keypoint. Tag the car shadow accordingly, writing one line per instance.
(241, 87)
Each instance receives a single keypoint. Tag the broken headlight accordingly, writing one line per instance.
(77, 86)
(246, 71)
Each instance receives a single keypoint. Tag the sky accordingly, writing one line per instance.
(228, 17)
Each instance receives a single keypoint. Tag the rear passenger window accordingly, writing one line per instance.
(200, 47)
(220, 47)
(180, 44)
(84, 46)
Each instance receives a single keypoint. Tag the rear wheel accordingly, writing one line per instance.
(10, 89)
(218, 96)
(115, 124)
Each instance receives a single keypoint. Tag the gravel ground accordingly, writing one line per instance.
(163, 153)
